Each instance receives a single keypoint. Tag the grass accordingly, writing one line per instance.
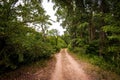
(96, 66)
(96, 60)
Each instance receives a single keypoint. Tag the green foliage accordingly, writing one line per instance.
(20, 43)
(79, 49)
(95, 60)
(94, 26)
(82, 25)
(92, 29)
(93, 48)
(112, 29)
(24, 48)
(66, 38)
(61, 43)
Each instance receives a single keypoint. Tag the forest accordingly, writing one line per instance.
(21, 44)
(92, 31)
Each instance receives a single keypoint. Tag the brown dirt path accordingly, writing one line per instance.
(67, 68)
(64, 67)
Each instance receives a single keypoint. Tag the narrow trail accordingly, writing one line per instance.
(67, 68)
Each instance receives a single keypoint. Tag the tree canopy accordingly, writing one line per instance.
(92, 26)
(21, 41)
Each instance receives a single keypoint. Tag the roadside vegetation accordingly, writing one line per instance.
(95, 60)
(24, 34)
(92, 32)
(93, 29)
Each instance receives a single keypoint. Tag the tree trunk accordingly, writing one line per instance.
(91, 28)
(102, 42)
(43, 32)
(103, 9)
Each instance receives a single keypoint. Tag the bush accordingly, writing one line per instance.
(24, 48)
(79, 50)
(93, 48)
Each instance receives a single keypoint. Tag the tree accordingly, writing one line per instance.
(19, 42)
(93, 25)
(55, 34)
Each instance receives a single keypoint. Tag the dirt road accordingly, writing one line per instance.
(67, 68)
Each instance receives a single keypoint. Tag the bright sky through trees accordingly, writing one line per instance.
(48, 6)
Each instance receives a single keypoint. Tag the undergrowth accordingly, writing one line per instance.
(95, 60)
(26, 69)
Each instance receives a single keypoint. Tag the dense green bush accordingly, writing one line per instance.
(79, 49)
(20, 43)
(24, 48)
(93, 48)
